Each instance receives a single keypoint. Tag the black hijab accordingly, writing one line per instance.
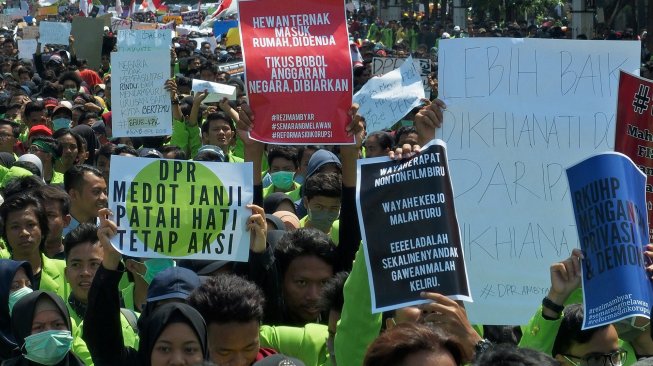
(92, 143)
(8, 269)
(163, 316)
(7, 159)
(23, 314)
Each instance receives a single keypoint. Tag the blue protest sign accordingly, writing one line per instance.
(607, 192)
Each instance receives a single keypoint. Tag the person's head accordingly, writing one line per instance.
(173, 152)
(304, 154)
(406, 135)
(233, 309)
(87, 190)
(84, 256)
(34, 114)
(70, 143)
(207, 72)
(283, 166)
(175, 334)
(509, 355)
(413, 345)
(25, 224)
(305, 259)
(332, 301)
(42, 328)
(9, 132)
(103, 160)
(47, 149)
(572, 345)
(322, 199)
(14, 276)
(378, 144)
(71, 82)
(278, 201)
(57, 207)
(218, 130)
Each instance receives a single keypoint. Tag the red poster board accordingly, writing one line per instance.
(298, 70)
(634, 135)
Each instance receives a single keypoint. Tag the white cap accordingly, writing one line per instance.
(445, 35)
(456, 29)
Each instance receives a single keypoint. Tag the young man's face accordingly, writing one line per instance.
(219, 134)
(302, 287)
(91, 196)
(35, 118)
(7, 139)
(69, 149)
(234, 344)
(282, 165)
(23, 231)
(56, 220)
(81, 264)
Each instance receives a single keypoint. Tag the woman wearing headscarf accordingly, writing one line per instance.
(42, 328)
(15, 281)
(92, 143)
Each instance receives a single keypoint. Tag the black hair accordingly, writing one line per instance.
(284, 152)
(405, 130)
(570, 331)
(29, 166)
(73, 177)
(47, 193)
(383, 138)
(323, 184)
(511, 355)
(304, 242)
(15, 127)
(19, 202)
(53, 143)
(125, 149)
(228, 298)
(214, 117)
(302, 150)
(332, 293)
(20, 185)
(71, 75)
(179, 154)
(106, 151)
(34, 106)
(67, 131)
(84, 233)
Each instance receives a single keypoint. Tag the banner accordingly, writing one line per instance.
(386, 99)
(117, 24)
(634, 125)
(383, 65)
(48, 10)
(131, 40)
(54, 33)
(409, 229)
(26, 48)
(30, 32)
(607, 192)
(297, 50)
(173, 18)
(191, 16)
(520, 111)
(140, 104)
(181, 209)
(234, 68)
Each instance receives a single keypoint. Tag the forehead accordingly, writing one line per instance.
(22, 213)
(324, 201)
(310, 267)
(86, 250)
(93, 180)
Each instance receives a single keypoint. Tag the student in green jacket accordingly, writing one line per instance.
(57, 206)
(84, 256)
(25, 228)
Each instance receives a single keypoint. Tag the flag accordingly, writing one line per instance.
(225, 8)
(118, 8)
(84, 7)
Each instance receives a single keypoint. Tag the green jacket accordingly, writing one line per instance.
(357, 327)
(293, 193)
(52, 277)
(307, 343)
(188, 139)
(79, 346)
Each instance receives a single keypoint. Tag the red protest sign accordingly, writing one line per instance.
(298, 70)
(634, 136)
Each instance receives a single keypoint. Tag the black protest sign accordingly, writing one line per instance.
(409, 228)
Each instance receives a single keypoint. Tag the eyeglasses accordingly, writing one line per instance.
(599, 359)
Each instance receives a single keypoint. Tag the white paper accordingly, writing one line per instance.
(54, 32)
(131, 40)
(26, 48)
(216, 91)
(384, 100)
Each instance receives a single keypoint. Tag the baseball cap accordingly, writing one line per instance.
(42, 129)
(172, 283)
(214, 149)
(148, 152)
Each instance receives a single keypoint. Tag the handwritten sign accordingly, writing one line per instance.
(132, 40)
(30, 32)
(26, 48)
(140, 104)
(607, 192)
(410, 232)
(216, 91)
(383, 65)
(519, 111)
(181, 209)
(297, 50)
(386, 99)
(54, 32)
(234, 68)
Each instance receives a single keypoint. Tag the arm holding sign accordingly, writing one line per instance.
(428, 119)
(102, 327)
(541, 331)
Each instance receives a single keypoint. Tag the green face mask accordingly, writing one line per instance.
(322, 219)
(69, 94)
(60, 123)
(155, 266)
(48, 348)
(17, 295)
(282, 180)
